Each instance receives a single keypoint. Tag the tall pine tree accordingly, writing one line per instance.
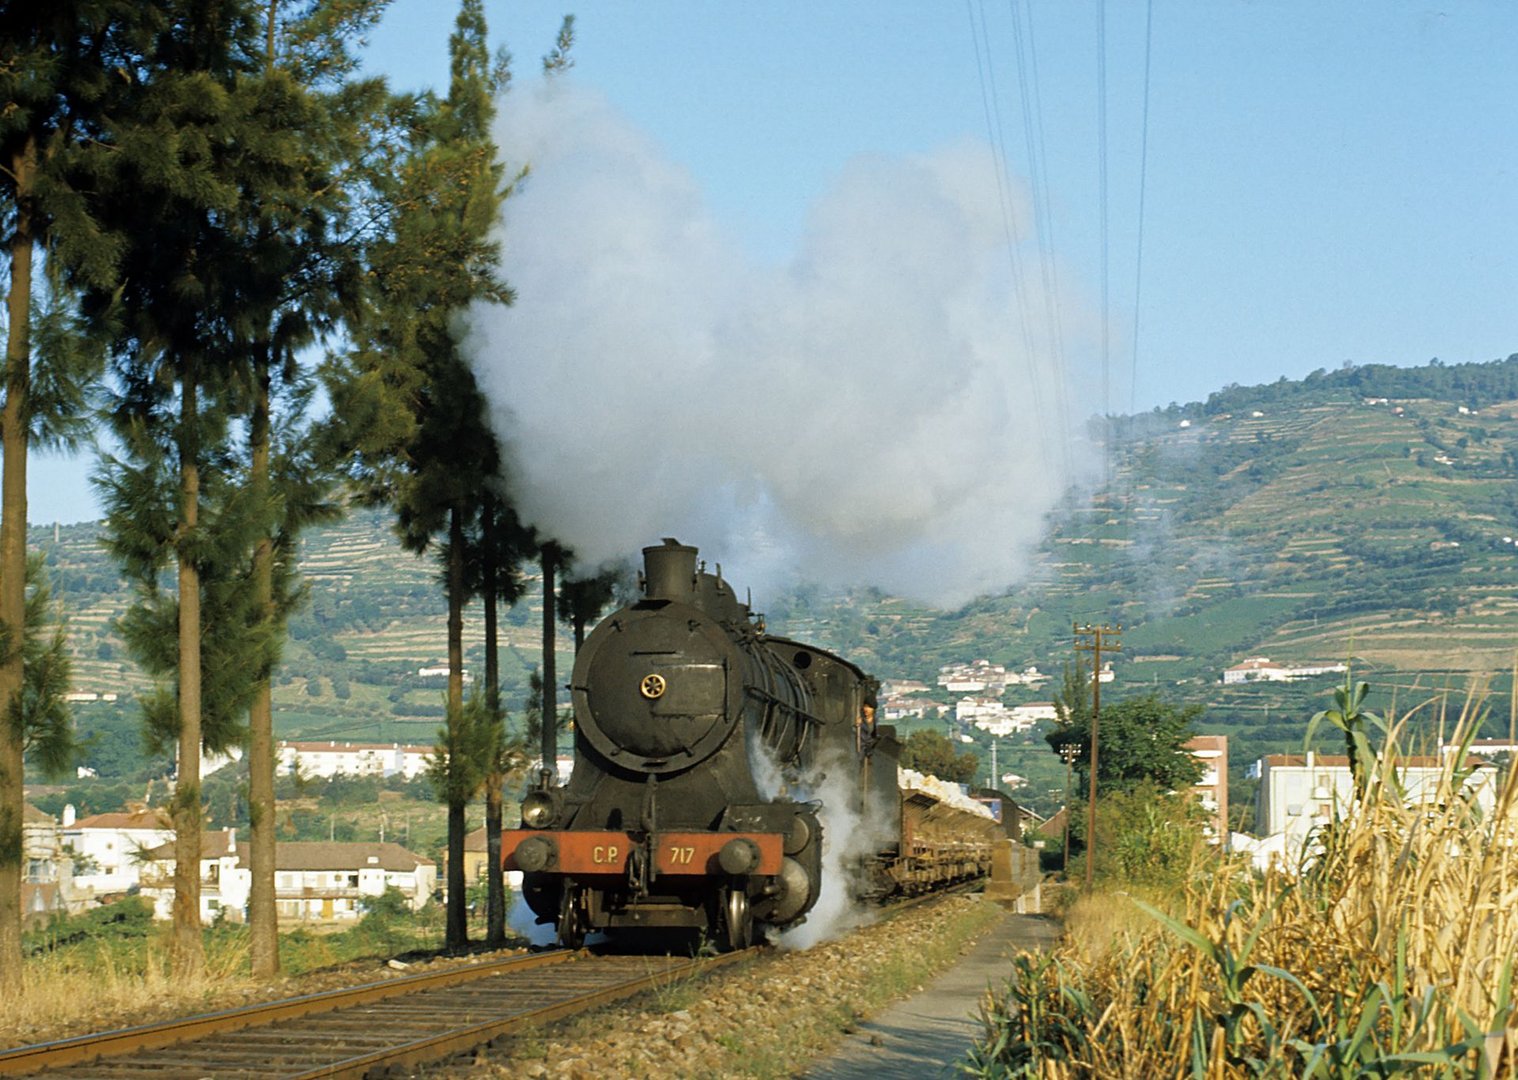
(411, 412)
(304, 271)
(55, 61)
(204, 170)
(495, 557)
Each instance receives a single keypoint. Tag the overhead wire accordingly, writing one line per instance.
(1138, 268)
(1101, 142)
(990, 104)
(1138, 262)
(1026, 46)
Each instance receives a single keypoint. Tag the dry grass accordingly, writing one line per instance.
(1391, 949)
(103, 985)
(120, 975)
(1098, 923)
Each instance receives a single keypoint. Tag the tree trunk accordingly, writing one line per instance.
(495, 883)
(550, 707)
(458, 924)
(13, 568)
(188, 950)
(263, 916)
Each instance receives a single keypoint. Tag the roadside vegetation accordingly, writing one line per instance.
(1389, 948)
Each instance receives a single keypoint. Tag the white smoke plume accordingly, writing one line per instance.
(850, 835)
(869, 413)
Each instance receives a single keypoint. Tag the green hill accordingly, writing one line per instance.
(1369, 514)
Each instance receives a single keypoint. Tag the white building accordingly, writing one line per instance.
(1299, 793)
(973, 678)
(1033, 712)
(210, 763)
(1488, 748)
(892, 688)
(899, 708)
(972, 710)
(1262, 669)
(329, 759)
(319, 880)
(221, 885)
(313, 880)
(108, 850)
(1029, 676)
(1011, 719)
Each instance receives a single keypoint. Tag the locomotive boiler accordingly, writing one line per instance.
(701, 744)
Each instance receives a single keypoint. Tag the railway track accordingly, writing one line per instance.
(379, 1029)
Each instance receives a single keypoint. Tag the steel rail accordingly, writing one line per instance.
(435, 1031)
(466, 1038)
(47, 1055)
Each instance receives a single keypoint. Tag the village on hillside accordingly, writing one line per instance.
(74, 863)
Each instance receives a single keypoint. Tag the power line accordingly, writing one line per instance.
(1043, 222)
(991, 106)
(1138, 269)
(1101, 139)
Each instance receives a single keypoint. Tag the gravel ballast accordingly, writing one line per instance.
(768, 1018)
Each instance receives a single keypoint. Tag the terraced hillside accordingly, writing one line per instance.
(1311, 521)
(374, 620)
(1383, 531)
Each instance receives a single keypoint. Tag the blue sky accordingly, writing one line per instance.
(1325, 182)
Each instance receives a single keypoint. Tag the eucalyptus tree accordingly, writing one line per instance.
(55, 61)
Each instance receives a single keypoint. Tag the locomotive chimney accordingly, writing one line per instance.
(670, 572)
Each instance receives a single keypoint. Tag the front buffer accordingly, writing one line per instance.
(612, 880)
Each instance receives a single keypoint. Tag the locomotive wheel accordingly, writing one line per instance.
(572, 921)
(737, 921)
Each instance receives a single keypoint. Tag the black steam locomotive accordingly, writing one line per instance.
(699, 744)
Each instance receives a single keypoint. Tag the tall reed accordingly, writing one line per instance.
(1389, 948)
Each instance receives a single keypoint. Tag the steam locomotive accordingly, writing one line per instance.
(708, 757)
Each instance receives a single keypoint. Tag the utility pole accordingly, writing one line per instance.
(1068, 752)
(549, 707)
(1093, 639)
